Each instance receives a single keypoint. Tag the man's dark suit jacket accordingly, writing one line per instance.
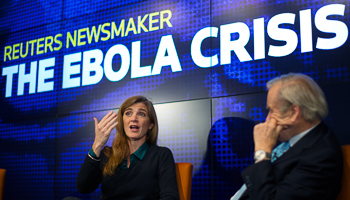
(311, 169)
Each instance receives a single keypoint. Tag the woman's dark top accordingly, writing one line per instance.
(149, 177)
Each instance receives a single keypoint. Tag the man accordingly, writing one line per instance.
(310, 165)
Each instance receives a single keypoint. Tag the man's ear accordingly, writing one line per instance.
(295, 113)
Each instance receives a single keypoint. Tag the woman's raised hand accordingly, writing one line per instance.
(103, 131)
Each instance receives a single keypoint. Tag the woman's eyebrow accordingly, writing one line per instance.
(141, 109)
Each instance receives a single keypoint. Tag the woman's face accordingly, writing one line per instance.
(137, 122)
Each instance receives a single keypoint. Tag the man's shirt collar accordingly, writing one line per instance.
(296, 138)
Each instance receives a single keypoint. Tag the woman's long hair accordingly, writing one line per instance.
(120, 149)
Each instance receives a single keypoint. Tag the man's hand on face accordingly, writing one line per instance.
(266, 134)
(284, 120)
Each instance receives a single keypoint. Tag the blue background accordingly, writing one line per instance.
(206, 115)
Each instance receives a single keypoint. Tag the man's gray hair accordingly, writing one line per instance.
(301, 90)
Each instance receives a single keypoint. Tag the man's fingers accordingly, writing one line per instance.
(281, 121)
(284, 123)
(273, 121)
(279, 129)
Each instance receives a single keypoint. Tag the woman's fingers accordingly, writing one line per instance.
(106, 125)
(96, 121)
(106, 119)
(111, 123)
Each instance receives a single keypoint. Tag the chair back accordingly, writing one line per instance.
(345, 189)
(2, 183)
(184, 179)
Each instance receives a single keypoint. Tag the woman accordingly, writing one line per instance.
(134, 167)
